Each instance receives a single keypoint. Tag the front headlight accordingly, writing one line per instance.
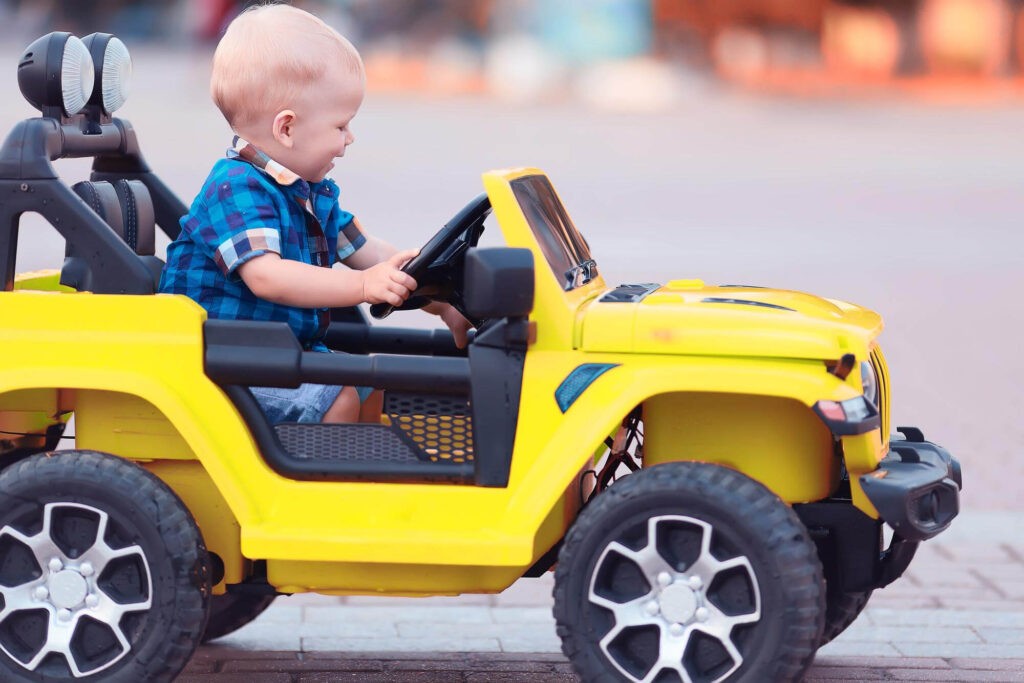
(869, 380)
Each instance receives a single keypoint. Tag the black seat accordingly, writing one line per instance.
(125, 205)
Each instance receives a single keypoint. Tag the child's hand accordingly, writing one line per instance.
(385, 283)
(458, 325)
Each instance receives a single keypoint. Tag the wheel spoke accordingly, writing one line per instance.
(670, 656)
(740, 561)
(101, 555)
(41, 545)
(58, 641)
(737, 658)
(627, 615)
(647, 559)
(109, 611)
(720, 632)
(18, 598)
(706, 565)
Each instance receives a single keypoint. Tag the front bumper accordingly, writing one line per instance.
(916, 488)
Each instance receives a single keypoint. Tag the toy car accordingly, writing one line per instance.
(706, 469)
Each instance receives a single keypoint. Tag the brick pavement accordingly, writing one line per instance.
(956, 615)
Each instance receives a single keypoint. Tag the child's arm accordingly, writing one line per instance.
(293, 283)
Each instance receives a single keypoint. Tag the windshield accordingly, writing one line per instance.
(564, 247)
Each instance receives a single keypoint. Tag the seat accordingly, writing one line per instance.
(125, 205)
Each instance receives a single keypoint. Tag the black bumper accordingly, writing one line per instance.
(916, 488)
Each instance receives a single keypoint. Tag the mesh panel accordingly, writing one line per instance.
(441, 426)
(347, 443)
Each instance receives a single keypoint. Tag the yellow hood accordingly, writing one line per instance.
(688, 317)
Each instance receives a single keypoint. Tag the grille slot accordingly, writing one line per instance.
(882, 372)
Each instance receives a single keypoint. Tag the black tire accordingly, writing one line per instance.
(231, 611)
(841, 610)
(841, 607)
(96, 547)
(719, 551)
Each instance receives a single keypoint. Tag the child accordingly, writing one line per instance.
(260, 238)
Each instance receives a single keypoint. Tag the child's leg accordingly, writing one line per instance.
(372, 407)
(345, 408)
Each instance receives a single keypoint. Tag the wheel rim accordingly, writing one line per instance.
(674, 605)
(64, 592)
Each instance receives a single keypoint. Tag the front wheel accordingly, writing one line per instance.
(841, 610)
(231, 611)
(688, 572)
(103, 572)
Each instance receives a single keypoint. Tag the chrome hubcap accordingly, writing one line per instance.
(674, 599)
(67, 588)
(64, 592)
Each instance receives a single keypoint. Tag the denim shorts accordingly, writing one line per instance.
(307, 403)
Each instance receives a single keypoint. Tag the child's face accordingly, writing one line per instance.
(321, 130)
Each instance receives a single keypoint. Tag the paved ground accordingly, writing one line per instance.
(957, 615)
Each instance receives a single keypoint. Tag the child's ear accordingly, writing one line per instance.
(282, 127)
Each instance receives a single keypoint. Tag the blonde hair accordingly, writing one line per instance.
(268, 55)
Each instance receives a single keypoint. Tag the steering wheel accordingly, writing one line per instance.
(438, 268)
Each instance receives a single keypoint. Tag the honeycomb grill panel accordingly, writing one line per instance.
(345, 443)
(440, 426)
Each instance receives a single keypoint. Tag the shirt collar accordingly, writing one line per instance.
(242, 149)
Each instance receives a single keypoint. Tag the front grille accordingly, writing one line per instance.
(882, 372)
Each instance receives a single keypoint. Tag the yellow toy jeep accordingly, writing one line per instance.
(706, 469)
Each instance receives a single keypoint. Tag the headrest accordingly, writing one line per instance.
(126, 207)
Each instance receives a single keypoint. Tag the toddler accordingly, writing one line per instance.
(261, 236)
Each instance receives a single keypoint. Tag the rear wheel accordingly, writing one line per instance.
(231, 611)
(688, 572)
(103, 573)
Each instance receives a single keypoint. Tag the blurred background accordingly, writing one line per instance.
(864, 150)
(530, 50)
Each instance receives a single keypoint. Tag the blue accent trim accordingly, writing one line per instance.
(577, 381)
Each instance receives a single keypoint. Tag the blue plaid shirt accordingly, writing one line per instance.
(251, 205)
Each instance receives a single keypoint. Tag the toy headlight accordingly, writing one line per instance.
(113, 66)
(55, 74)
(869, 380)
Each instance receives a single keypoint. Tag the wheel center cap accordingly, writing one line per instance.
(678, 603)
(67, 589)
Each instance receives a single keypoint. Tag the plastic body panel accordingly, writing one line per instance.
(776, 441)
(430, 537)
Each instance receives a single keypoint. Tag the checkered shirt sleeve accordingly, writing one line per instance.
(243, 220)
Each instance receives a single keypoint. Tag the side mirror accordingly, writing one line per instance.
(498, 282)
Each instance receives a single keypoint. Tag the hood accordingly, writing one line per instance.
(689, 317)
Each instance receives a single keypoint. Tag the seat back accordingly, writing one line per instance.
(125, 205)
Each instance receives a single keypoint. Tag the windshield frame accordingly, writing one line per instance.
(564, 247)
